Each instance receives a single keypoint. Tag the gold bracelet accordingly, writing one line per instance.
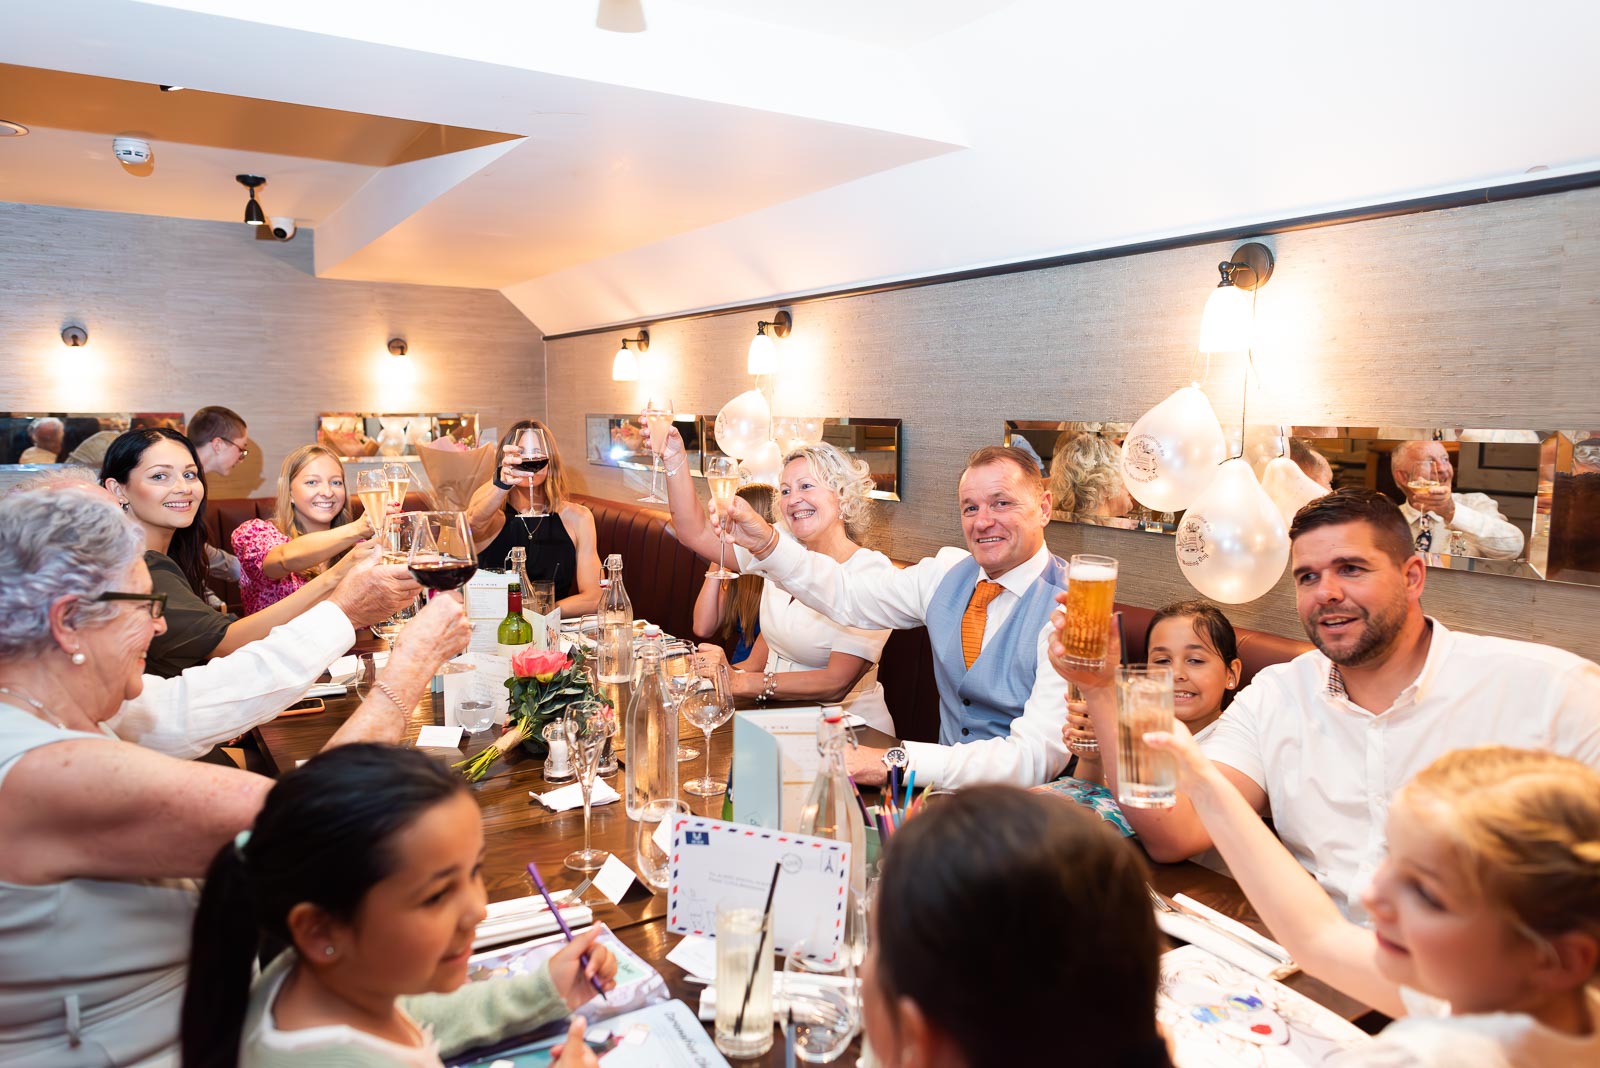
(384, 689)
(760, 553)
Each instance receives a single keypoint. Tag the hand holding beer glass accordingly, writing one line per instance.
(1091, 591)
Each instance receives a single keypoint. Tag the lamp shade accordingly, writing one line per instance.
(252, 212)
(625, 366)
(763, 355)
(1225, 327)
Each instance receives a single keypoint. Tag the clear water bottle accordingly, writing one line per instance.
(651, 732)
(615, 606)
(831, 811)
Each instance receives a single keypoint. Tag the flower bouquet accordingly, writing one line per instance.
(542, 684)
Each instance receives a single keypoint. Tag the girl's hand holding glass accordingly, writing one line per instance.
(568, 973)
(1079, 731)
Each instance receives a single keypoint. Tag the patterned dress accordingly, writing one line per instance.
(252, 541)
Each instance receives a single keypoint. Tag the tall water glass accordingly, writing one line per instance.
(654, 845)
(744, 962)
(614, 653)
(1146, 777)
(1091, 591)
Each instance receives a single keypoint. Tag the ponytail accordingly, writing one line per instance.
(221, 956)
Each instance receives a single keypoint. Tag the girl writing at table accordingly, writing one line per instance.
(367, 863)
(1486, 912)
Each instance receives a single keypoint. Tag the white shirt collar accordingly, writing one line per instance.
(1438, 640)
(1019, 578)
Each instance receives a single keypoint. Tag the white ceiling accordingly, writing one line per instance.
(743, 150)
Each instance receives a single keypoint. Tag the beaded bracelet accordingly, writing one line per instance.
(384, 689)
(769, 687)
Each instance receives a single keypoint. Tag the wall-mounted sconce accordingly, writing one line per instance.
(625, 365)
(763, 359)
(1230, 310)
(400, 363)
(252, 211)
(74, 336)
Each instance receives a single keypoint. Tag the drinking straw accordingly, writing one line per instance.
(911, 780)
(761, 944)
(583, 958)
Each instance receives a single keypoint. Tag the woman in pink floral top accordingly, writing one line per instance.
(312, 528)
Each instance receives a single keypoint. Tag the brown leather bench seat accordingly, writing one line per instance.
(663, 579)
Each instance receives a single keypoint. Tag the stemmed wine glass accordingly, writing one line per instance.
(373, 489)
(398, 532)
(589, 724)
(680, 680)
(657, 415)
(535, 452)
(398, 479)
(708, 704)
(441, 555)
(722, 475)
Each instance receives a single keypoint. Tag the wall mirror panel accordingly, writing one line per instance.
(357, 435)
(62, 437)
(618, 441)
(1523, 503)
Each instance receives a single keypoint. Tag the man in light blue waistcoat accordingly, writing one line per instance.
(987, 610)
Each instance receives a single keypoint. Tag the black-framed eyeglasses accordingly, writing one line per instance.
(155, 603)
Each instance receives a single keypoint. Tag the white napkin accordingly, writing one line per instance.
(780, 982)
(568, 797)
(525, 917)
(1198, 932)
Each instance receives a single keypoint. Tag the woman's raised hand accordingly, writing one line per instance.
(437, 633)
(742, 526)
(673, 452)
(510, 457)
(1193, 764)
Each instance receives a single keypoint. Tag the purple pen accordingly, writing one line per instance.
(583, 958)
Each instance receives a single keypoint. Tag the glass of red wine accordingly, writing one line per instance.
(535, 453)
(441, 556)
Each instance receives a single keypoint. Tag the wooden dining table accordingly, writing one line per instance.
(517, 829)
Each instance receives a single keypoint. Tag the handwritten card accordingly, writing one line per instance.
(720, 863)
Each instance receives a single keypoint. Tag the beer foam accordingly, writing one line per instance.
(1092, 573)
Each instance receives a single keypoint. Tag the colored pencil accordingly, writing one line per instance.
(583, 959)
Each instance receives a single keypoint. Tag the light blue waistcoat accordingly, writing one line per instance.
(982, 702)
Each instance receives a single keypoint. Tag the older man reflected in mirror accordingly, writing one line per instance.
(1442, 520)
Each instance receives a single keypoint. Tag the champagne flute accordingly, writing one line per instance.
(708, 705)
(441, 555)
(588, 724)
(398, 532)
(373, 489)
(722, 475)
(535, 453)
(657, 415)
(398, 477)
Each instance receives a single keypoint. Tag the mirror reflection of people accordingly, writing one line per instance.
(1442, 520)
(47, 435)
(1086, 480)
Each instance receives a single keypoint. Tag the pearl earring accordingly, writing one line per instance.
(327, 951)
(79, 659)
(126, 506)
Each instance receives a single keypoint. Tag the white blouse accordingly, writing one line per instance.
(1431, 1038)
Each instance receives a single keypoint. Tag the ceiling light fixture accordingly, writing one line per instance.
(625, 365)
(173, 88)
(1229, 317)
(12, 129)
(74, 336)
(620, 16)
(252, 211)
(763, 357)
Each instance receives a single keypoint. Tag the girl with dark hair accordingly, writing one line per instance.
(366, 862)
(1196, 640)
(156, 476)
(1065, 915)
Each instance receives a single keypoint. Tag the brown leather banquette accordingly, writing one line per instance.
(663, 579)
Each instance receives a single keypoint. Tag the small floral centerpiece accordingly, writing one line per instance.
(542, 684)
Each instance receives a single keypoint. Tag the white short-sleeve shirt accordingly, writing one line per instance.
(1429, 1037)
(1330, 768)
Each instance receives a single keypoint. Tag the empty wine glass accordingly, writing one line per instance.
(535, 453)
(657, 415)
(722, 475)
(589, 724)
(822, 1001)
(441, 555)
(707, 704)
(680, 677)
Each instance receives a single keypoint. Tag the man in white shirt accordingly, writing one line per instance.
(47, 435)
(1443, 521)
(987, 611)
(1323, 742)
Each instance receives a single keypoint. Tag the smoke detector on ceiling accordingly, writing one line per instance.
(131, 151)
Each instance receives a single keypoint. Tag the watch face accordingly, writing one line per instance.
(895, 758)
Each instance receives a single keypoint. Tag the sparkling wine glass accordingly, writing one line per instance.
(589, 724)
(708, 704)
(722, 475)
(373, 489)
(441, 555)
(397, 479)
(657, 415)
(535, 451)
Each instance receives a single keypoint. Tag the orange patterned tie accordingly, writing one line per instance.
(973, 618)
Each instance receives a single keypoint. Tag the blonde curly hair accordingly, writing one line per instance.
(848, 478)
(1084, 472)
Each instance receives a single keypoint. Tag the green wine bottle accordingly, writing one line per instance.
(515, 631)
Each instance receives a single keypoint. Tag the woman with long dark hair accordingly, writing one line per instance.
(156, 476)
(365, 865)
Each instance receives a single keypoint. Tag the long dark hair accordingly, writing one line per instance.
(188, 546)
(322, 836)
(1064, 916)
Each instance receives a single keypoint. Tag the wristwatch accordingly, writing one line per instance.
(500, 485)
(895, 757)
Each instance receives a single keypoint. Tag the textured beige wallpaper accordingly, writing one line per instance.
(1481, 316)
(183, 313)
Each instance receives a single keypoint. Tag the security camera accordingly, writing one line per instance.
(282, 227)
(131, 151)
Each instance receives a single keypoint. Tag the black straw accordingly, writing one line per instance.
(761, 945)
(1122, 641)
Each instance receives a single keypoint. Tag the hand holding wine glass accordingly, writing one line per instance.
(372, 486)
(442, 556)
(722, 475)
(657, 416)
(533, 456)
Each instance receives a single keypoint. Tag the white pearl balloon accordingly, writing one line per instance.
(1262, 444)
(1232, 543)
(743, 424)
(764, 464)
(1172, 452)
(1289, 487)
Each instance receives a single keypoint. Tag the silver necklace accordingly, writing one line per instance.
(37, 707)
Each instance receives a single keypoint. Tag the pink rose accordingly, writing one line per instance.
(541, 664)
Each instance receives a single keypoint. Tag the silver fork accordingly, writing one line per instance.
(1160, 902)
(1163, 905)
(576, 896)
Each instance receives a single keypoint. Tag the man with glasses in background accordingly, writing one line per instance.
(221, 440)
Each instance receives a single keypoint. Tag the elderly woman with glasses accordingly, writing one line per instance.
(101, 836)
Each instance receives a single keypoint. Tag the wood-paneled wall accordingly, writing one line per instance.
(1481, 316)
(183, 313)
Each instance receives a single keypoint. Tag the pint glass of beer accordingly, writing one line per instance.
(1091, 589)
(1146, 777)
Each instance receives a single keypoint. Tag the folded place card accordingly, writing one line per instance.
(696, 955)
(614, 879)
(717, 864)
(432, 737)
(568, 797)
(775, 761)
